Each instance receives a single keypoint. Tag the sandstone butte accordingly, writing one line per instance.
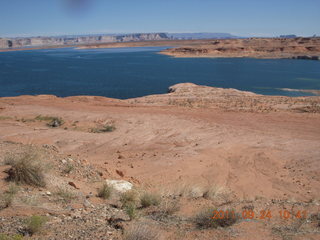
(196, 146)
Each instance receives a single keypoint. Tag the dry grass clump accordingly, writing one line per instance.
(103, 129)
(166, 209)
(141, 232)
(68, 168)
(5, 118)
(6, 199)
(10, 237)
(131, 210)
(204, 219)
(35, 224)
(150, 199)
(218, 193)
(51, 121)
(65, 195)
(129, 197)
(105, 191)
(26, 167)
(187, 190)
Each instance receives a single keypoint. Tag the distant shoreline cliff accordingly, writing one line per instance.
(10, 43)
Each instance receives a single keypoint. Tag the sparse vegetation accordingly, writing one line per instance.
(10, 237)
(7, 197)
(2, 118)
(35, 224)
(150, 199)
(129, 197)
(103, 129)
(26, 167)
(51, 121)
(105, 191)
(131, 210)
(141, 232)
(217, 193)
(65, 195)
(68, 168)
(204, 219)
(166, 209)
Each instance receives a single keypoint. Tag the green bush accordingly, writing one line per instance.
(35, 224)
(131, 210)
(10, 237)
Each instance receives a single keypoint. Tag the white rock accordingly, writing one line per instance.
(64, 161)
(48, 193)
(120, 185)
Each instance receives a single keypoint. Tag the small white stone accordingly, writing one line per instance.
(120, 185)
(48, 193)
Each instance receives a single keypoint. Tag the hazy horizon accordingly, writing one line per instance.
(245, 18)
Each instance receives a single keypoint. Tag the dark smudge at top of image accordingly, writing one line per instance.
(78, 6)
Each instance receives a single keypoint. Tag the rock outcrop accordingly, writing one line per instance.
(296, 48)
(69, 40)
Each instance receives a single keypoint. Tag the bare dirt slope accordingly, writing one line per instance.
(253, 146)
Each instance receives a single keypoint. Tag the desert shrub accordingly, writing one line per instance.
(204, 219)
(141, 232)
(105, 191)
(35, 224)
(129, 197)
(7, 197)
(65, 195)
(150, 199)
(10, 237)
(165, 210)
(26, 167)
(218, 194)
(55, 122)
(6, 200)
(212, 192)
(131, 210)
(103, 129)
(52, 121)
(68, 168)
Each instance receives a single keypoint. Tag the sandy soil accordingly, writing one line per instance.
(262, 150)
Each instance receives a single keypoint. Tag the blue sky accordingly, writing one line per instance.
(239, 17)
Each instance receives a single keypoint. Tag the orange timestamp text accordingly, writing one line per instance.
(263, 214)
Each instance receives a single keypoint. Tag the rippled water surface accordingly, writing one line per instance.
(133, 72)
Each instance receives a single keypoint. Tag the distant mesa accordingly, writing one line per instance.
(41, 41)
(24, 42)
(191, 36)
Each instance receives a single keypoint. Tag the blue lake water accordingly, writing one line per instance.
(133, 72)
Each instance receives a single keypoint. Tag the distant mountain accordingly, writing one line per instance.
(201, 35)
